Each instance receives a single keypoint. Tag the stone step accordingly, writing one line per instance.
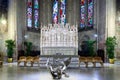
(74, 61)
(117, 62)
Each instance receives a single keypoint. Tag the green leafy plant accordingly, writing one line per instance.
(10, 44)
(110, 46)
(90, 44)
(28, 48)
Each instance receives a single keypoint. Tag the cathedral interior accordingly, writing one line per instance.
(59, 39)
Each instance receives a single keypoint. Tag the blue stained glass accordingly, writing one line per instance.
(83, 13)
(55, 12)
(36, 13)
(90, 13)
(36, 4)
(29, 13)
(32, 13)
(29, 21)
(36, 17)
(62, 11)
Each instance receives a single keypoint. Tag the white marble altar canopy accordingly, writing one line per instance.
(59, 38)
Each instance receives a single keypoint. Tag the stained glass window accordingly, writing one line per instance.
(86, 14)
(59, 9)
(55, 12)
(36, 16)
(33, 14)
(62, 11)
(90, 13)
(83, 13)
(29, 13)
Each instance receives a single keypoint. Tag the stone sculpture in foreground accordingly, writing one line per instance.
(58, 67)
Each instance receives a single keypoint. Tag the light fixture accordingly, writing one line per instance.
(3, 24)
(95, 35)
(119, 19)
(3, 20)
(3, 16)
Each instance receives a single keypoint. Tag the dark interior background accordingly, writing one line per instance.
(3, 7)
(118, 5)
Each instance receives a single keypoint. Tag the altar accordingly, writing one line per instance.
(62, 50)
(59, 38)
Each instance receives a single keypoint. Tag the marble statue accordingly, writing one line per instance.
(58, 68)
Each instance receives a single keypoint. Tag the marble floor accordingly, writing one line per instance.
(10, 71)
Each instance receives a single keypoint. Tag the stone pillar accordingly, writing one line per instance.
(110, 17)
(96, 21)
(45, 12)
(12, 26)
(21, 23)
(101, 22)
(117, 33)
(12, 19)
(69, 12)
(49, 9)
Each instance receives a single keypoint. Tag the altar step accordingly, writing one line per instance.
(74, 61)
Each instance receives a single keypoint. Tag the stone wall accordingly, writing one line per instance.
(117, 34)
(21, 23)
(101, 23)
(17, 22)
(72, 10)
(10, 31)
(72, 6)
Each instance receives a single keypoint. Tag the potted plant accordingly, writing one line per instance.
(110, 46)
(28, 48)
(90, 44)
(10, 44)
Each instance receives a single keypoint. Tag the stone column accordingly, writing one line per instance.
(101, 22)
(12, 25)
(69, 12)
(11, 19)
(110, 17)
(49, 13)
(21, 23)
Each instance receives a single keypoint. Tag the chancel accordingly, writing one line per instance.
(83, 35)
